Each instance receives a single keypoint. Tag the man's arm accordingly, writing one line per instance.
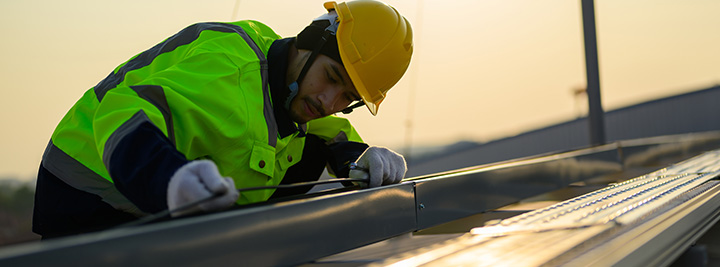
(135, 127)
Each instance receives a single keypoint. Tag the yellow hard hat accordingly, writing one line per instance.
(375, 45)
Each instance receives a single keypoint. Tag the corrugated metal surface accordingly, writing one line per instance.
(646, 221)
(311, 229)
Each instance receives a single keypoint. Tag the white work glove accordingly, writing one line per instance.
(383, 166)
(198, 180)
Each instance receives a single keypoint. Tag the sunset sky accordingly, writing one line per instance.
(482, 69)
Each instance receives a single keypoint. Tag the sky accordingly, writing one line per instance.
(481, 69)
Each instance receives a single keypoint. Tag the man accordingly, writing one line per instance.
(220, 106)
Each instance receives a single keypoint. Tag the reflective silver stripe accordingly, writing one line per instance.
(184, 37)
(120, 133)
(156, 96)
(268, 110)
(75, 174)
(267, 105)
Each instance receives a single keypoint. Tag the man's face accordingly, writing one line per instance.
(326, 89)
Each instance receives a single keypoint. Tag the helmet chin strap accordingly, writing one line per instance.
(349, 109)
(294, 87)
(331, 29)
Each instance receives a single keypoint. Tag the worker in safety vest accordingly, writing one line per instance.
(220, 106)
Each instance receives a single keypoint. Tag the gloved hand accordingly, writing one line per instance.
(198, 180)
(383, 166)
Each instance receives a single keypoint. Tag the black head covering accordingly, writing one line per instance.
(310, 37)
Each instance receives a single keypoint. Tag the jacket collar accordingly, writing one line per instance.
(277, 67)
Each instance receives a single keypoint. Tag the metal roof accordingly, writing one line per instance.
(334, 228)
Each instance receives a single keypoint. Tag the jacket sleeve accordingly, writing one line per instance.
(333, 129)
(146, 129)
(344, 144)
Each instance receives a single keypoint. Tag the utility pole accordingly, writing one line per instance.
(596, 114)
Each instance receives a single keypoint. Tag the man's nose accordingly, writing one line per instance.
(331, 99)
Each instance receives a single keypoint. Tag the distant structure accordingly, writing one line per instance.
(697, 111)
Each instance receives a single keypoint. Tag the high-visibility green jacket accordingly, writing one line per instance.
(205, 90)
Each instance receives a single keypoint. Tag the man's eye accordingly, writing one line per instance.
(330, 78)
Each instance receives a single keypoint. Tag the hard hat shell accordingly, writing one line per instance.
(375, 45)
